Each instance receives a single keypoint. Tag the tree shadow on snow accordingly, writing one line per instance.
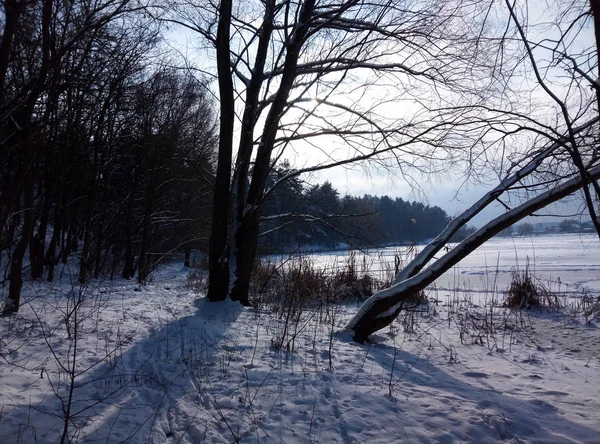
(130, 397)
(503, 416)
(159, 390)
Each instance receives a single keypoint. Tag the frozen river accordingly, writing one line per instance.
(566, 262)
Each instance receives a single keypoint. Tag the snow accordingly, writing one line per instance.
(568, 261)
(158, 363)
(571, 261)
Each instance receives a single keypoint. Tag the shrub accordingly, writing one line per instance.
(525, 292)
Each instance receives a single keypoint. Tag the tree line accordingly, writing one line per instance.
(564, 226)
(298, 215)
(106, 152)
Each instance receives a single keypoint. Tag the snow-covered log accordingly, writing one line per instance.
(382, 308)
(444, 237)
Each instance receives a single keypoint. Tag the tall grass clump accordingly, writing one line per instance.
(298, 290)
(299, 277)
(526, 292)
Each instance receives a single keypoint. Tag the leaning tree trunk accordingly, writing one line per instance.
(28, 157)
(381, 309)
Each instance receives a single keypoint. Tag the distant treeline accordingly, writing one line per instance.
(300, 215)
(564, 226)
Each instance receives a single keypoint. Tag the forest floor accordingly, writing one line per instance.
(116, 362)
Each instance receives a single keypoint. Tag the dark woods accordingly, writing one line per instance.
(105, 154)
(297, 215)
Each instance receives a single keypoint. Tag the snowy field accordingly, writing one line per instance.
(568, 263)
(115, 362)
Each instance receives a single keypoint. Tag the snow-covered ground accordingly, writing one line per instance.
(159, 363)
(567, 262)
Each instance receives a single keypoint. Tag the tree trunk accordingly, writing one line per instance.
(28, 157)
(218, 270)
(186, 260)
(70, 243)
(595, 8)
(128, 265)
(51, 260)
(98, 262)
(86, 262)
(246, 223)
(36, 256)
(245, 232)
(244, 254)
(85, 265)
(38, 243)
(16, 266)
(143, 265)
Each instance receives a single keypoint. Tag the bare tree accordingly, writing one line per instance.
(348, 80)
(563, 158)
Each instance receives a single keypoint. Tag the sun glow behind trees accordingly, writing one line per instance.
(503, 82)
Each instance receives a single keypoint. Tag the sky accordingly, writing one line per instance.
(448, 192)
(452, 196)
(360, 179)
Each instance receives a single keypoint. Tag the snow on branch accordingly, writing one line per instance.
(442, 239)
(383, 307)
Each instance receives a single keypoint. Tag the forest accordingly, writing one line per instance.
(107, 152)
(154, 154)
(109, 155)
(118, 150)
(301, 216)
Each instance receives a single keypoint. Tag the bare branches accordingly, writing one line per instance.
(413, 86)
(572, 147)
(383, 307)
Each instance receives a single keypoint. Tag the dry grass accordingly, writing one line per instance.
(300, 278)
(526, 292)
